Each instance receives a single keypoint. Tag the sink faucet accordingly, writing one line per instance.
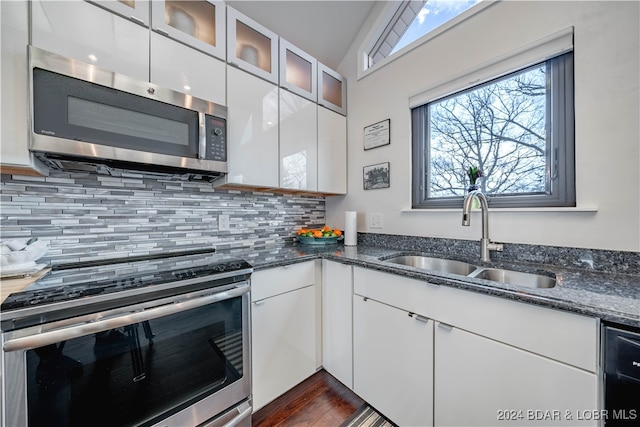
(486, 245)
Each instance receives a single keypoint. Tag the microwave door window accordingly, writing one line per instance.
(115, 120)
(75, 109)
(138, 374)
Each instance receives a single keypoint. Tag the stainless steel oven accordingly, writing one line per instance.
(172, 349)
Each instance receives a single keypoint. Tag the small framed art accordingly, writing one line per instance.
(376, 176)
(377, 134)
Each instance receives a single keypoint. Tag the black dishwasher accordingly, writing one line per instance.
(621, 376)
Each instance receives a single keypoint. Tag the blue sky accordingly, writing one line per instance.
(433, 14)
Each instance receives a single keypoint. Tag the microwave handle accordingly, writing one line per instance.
(64, 334)
(202, 137)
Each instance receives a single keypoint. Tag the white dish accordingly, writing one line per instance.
(20, 269)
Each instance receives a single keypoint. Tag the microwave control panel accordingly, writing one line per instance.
(216, 129)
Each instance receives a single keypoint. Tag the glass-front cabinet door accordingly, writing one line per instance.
(251, 47)
(135, 10)
(199, 24)
(332, 89)
(298, 71)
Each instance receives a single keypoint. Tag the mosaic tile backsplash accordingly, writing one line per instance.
(91, 216)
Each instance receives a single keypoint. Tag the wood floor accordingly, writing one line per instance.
(320, 401)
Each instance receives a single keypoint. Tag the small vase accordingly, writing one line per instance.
(471, 187)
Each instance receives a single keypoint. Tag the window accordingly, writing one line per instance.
(518, 129)
(407, 21)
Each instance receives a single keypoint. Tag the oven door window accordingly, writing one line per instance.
(139, 374)
(75, 109)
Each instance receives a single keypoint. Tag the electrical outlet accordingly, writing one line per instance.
(375, 220)
(223, 222)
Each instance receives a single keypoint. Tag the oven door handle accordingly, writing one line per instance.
(105, 324)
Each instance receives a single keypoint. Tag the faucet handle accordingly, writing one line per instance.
(493, 246)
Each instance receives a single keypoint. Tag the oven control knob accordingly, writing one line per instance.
(217, 131)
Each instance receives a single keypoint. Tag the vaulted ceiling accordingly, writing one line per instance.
(324, 29)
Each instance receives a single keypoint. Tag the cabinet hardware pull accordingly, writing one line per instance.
(364, 299)
(445, 326)
(161, 31)
(422, 318)
(137, 20)
(79, 330)
(259, 302)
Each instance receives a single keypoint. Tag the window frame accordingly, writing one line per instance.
(383, 22)
(561, 140)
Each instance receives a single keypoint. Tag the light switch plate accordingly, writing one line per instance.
(375, 220)
(223, 222)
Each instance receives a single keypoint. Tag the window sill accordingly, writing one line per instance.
(546, 209)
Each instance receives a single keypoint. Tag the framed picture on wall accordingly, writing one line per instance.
(377, 134)
(376, 176)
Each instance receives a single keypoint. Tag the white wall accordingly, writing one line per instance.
(607, 107)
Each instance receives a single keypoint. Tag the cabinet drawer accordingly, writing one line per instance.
(275, 281)
(406, 294)
(566, 337)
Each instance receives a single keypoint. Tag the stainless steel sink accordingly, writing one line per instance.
(514, 278)
(499, 275)
(435, 264)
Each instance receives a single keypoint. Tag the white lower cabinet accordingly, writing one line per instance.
(283, 330)
(337, 337)
(482, 382)
(500, 363)
(393, 361)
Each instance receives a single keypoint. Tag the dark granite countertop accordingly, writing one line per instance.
(610, 297)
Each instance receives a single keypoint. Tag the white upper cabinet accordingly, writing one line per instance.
(298, 142)
(14, 122)
(251, 47)
(91, 34)
(298, 71)
(199, 24)
(332, 89)
(135, 10)
(187, 70)
(253, 130)
(332, 152)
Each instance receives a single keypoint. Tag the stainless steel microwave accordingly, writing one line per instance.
(81, 113)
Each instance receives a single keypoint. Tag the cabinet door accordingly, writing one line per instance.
(298, 71)
(199, 24)
(332, 89)
(481, 382)
(332, 152)
(91, 34)
(298, 142)
(186, 70)
(283, 343)
(14, 123)
(337, 337)
(135, 10)
(393, 361)
(251, 47)
(253, 130)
